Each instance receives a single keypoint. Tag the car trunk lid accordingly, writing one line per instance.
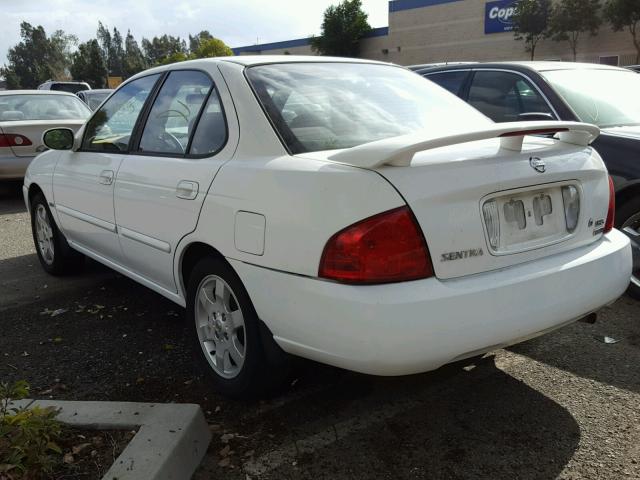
(33, 131)
(462, 193)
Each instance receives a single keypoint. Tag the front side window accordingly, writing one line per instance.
(172, 118)
(110, 129)
(503, 96)
(452, 81)
(328, 106)
(41, 107)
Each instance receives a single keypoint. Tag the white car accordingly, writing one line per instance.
(341, 210)
(24, 116)
(70, 87)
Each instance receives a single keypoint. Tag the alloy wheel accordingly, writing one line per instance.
(44, 234)
(220, 326)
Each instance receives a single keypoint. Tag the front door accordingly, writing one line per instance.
(84, 180)
(161, 185)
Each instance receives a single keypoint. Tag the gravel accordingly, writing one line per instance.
(565, 405)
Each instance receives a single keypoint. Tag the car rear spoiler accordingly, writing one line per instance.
(399, 151)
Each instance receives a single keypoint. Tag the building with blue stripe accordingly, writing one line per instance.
(433, 31)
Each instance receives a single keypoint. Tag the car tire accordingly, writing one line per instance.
(54, 253)
(234, 349)
(628, 215)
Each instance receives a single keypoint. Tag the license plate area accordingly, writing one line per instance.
(525, 219)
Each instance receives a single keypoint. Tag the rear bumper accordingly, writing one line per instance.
(413, 327)
(12, 167)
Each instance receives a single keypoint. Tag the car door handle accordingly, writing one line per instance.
(106, 177)
(187, 190)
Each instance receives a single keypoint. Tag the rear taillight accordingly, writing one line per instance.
(388, 247)
(14, 140)
(611, 212)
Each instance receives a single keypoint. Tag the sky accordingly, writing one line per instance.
(236, 22)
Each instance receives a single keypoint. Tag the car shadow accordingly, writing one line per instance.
(451, 424)
(117, 340)
(581, 350)
(11, 200)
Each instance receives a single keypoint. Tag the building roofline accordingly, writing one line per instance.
(399, 5)
(299, 42)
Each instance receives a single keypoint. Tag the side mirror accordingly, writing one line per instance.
(535, 116)
(58, 138)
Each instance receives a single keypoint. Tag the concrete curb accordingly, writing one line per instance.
(171, 441)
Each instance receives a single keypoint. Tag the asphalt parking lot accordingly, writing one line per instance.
(566, 405)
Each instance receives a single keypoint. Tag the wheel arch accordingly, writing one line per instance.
(628, 192)
(189, 257)
(34, 189)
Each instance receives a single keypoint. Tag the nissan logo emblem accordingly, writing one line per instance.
(538, 164)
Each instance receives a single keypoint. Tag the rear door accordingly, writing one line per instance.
(83, 181)
(162, 184)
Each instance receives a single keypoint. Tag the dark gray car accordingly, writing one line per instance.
(598, 94)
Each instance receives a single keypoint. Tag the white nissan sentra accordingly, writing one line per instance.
(345, 211)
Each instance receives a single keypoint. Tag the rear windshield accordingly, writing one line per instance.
(68, 87)
(41, 107)
(327, 106)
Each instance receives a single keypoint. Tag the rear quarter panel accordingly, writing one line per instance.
(304, 203)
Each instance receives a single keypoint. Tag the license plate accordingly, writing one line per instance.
(521, 221)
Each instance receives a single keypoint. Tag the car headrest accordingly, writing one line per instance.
(11, 115)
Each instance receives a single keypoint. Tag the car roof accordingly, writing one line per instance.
(249, 60)
(68, 82)
(539, 66)
(96, 90)
(35, 92)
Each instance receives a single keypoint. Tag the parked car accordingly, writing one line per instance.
(70, 87)
(635, 68)
(93, 98)
(24, 116)
(341, 210)
(599, 94)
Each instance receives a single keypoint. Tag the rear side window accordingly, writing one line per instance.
(175, 111)
(452, 81)
(109, 130)
(503, 96)
(211, 132)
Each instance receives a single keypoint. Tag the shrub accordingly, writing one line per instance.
(28, 436)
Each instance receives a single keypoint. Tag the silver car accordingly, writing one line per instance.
(24, 116)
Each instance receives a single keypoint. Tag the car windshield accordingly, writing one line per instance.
(41, 107)
(607, 98)
(327, 106)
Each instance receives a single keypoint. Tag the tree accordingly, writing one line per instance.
(104, 39)
(133, 61)
(116, 54)
(213, 47)
(159, 48)
(623, 14)
(342, 28)
(88, 64)
(196, 40)
(531, 22)
(571, 18)
(37, 58)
